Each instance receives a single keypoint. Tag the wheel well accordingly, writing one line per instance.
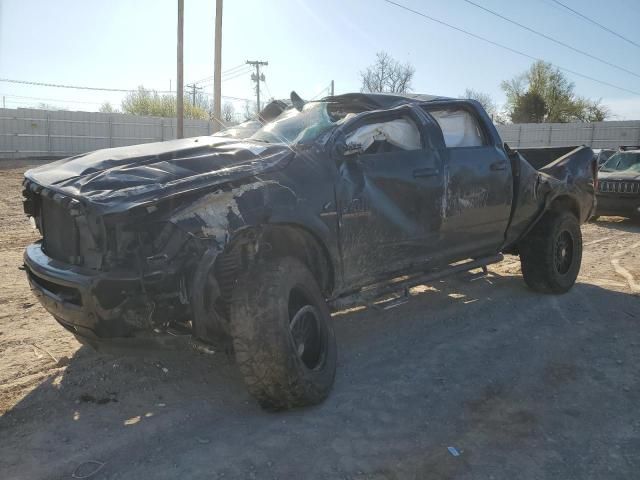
(561, 203)
(293, 241)
(272, 241)
(564, 203)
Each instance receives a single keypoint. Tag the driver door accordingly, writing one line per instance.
(389, 194)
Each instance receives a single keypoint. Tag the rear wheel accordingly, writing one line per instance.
(551, 254)
(282, 335)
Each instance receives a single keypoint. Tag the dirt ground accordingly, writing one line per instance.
(523, 385)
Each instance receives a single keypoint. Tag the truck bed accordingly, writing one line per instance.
(540, 157)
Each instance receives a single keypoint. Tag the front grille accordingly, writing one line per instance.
(59, 232)
(617, 186)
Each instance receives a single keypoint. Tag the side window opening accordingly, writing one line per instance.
(381, 137)
(459, 128)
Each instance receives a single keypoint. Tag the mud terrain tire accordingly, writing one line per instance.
(282, 335)
(551, 253)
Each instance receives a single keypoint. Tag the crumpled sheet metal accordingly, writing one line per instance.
(119, 179)
(570, 175)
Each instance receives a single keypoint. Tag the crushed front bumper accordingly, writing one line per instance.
(95, 306)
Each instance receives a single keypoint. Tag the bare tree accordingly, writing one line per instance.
(228, 112)
(106, 107)
(48, 106)
(387, 75)
(483, 99)
(249, 110)
(490, 106)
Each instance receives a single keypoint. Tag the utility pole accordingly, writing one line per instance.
(180, 86)
(332, 88)
(217, 67)
(193, 88)
(256, 77)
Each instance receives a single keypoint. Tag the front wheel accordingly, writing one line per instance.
(551, 253)
(282, 335)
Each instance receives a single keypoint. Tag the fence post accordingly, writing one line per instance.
(593, 133)
(162, 129)
(48, 133)
(550, 131)
(110, 131)
(519, 135)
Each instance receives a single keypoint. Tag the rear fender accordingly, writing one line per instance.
(571, 181)
(566, 183)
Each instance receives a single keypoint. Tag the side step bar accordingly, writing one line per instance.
(369, 294)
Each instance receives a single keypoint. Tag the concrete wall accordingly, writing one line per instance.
(32, 133)
(595, 135)
(26, 132)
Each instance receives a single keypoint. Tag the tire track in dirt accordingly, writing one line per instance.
(622, 271)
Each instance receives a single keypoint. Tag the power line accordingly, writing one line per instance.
(230, 71)
(75, 87)
(205, 82)
(238, 98)
(324, 90)
(98, 89)
(596, 23)
(266, 87)
(237, 74)
(230, 97)
(49, 99)
(512, 50)
(122, 90)
(237, 67)
(559, 42)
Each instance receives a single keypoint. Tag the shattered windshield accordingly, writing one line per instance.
(242, 130)
(622, 161)
(295, 126)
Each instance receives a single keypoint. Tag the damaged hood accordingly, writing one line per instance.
(118, 179)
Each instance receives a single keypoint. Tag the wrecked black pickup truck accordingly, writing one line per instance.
(253, 242)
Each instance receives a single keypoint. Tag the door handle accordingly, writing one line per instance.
(499, 165)
(425, 172)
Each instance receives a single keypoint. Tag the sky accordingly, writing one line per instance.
(125, 43)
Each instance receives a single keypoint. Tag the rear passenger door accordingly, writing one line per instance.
(478, 184)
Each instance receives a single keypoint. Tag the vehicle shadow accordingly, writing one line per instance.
(484, 365)
(619, 223)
